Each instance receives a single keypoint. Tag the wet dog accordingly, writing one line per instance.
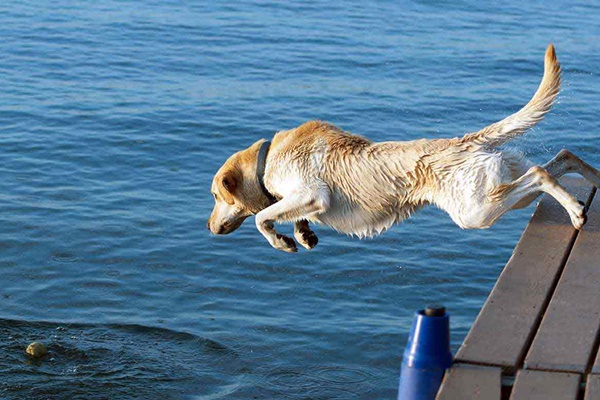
(318, 173)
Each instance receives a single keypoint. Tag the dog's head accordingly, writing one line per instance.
(236, 191)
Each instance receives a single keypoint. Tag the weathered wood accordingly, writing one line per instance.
(543, 385)
(464, 381)
(566, 339)
(596, 367)
(504, 328)
(592, 388)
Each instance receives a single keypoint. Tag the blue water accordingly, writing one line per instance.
(114, 115)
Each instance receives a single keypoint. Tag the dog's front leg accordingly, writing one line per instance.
(294, 207)
(304, 235)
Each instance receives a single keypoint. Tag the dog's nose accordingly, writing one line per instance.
(208, 225)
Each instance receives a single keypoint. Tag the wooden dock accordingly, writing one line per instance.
(537, 336)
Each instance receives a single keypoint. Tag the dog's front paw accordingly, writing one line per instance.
(307, 238)
(282, 242)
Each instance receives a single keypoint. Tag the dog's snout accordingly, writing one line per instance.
(216, 229)
(221, 223)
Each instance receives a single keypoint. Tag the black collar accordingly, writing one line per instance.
(261, 163)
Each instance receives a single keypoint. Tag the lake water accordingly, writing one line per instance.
(114, 116)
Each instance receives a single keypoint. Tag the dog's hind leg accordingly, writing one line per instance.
(304, 235)
(526, 188)
(563, 163)
(566, 162)
(298, 206)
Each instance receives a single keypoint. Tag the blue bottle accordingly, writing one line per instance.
(427, 355)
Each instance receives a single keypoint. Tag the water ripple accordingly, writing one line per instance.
(110, 354)
(64, 257)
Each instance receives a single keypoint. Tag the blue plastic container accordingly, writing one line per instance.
(427, 355)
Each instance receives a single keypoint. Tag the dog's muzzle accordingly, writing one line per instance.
(224, 228)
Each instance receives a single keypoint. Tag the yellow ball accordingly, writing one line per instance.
(36, 350)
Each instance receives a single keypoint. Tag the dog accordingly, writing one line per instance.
(319, 173)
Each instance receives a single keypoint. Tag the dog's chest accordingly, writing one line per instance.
(297, 170)
(283, 179)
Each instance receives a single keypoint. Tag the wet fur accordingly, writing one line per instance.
(325, 175)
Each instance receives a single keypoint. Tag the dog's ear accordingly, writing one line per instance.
(228, 185)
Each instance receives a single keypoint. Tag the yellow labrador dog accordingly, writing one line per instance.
(319, 173)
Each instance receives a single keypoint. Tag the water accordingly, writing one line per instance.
(114, 115)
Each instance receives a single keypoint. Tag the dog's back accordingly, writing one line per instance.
(373, 185)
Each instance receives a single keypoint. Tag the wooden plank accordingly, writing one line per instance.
(464, 381)
(592, 388)
(544, 385)
(596, 367)
(504, 328)
(566, 339)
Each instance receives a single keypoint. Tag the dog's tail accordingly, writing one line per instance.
(519, 122)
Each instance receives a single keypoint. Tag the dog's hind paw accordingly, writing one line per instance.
(307, 238)
(282, 242)
(579, 217)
